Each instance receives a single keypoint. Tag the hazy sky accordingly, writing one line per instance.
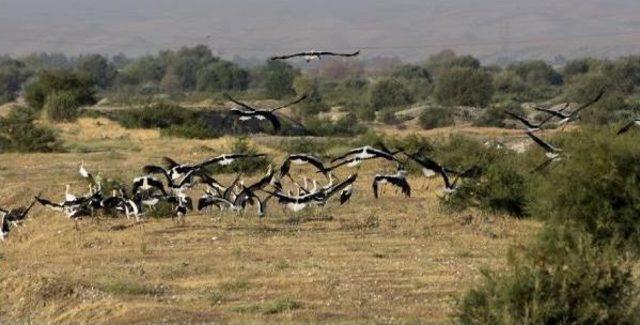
(411, 29)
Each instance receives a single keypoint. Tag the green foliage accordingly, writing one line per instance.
(142, 70)
(13, 74)
(390, 93)
(494, 116)
(562, 278)
(389, 117)
(97, 68)
(248, 166)
(578, 67)
(602, 197)
(536, 73)
(51, 81)
(416, 78)
(317, 147)
(502, 188)
(277, 78)
(314, 103)
(19, 132)
(193, 130)
(464, 86)
(172, 120)
(157, 115)
(222, 76)
(446, 60)
(509, 82)
(62, 106)
(436, 117)
(624, 74)
(346, 126)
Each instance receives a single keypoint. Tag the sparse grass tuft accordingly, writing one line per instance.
(270, 307)
(124, 286)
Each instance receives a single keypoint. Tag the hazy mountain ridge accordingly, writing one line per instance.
(411, 29)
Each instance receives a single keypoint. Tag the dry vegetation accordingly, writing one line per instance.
(390, 260)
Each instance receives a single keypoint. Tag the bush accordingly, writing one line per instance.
(313, 104)
(49, 82)
(436, 117)
(247, 166)
(193, 130)
(561, 279)
(509, 82)
(494, 116)
(536, 73)
(62, 106)
(346, 126)
(416, 78)
(20, 133)
(388, 116)
(158, 115)
(317, 147)
(172, 120)
(464, 86)
(602, 197)
(13, 74)
(502, 188)
(277, 78)
(390, 93)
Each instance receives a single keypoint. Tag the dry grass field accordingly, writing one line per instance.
(392, 260)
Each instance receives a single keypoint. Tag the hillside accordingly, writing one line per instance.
(410, 29)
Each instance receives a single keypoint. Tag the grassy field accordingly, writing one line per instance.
(392, 260)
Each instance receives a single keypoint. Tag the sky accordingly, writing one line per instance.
(409, 29)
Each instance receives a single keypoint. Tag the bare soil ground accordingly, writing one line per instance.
(392, 260)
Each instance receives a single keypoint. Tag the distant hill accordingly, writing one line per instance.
(494, 30)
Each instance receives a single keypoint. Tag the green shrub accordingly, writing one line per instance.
(536, 73)
(247, 166)
(389, 117)
(193, 130)
(562, 278)
(346, 126)
(277, 78)
(390, 93)
(464, 86)
(48, 82)
(158, 115)
(509, 82)
(62, 106)
(317, 147)
(436, 117)
(494, 116)
(19, 132)
(502, 188)
(596, 187)
(416, 78)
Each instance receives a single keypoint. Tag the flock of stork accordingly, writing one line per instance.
(294, 194)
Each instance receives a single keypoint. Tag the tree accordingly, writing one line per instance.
(142, 70)
(416, 78)
(277, 78)
(13, 74)
(19, 132)
(50, 81)
(464, 86)
(439, 63)
(390, 93)
(98, 68)
(624, 74)
(314, 103)
(222, 76)
(536, 73)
